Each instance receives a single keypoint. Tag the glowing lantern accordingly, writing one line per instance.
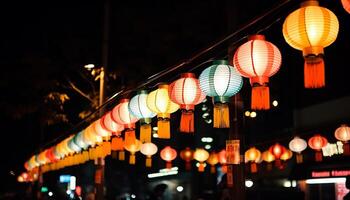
(168, 154)
(277, 150)
(317, 142)
(268, 157)
(78, 139)
(343, 134)
(186, 92)
(72, 145)
(138, 107)
(220, 81)
(252, 155)
(117, 144)
(100, 129)
(148, 149)
(213, 160)
(110, 125)
(286, 155)
(346, 5)
(159, 102)
(258, 60)
(310, 29)
(133, 148)
(201, 155)
(187, 156)
(223, 160)
(298, 145)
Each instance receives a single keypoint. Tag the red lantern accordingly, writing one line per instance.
(223, 160)
(168, 154)
(343, 134)
(277, 151)
(252, 155)
(110, 125)
(187, 156)
(346, 5)
(186, 92)
(213, 160)
(257, 60)
(317, 142)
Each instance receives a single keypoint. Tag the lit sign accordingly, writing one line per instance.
(65, 178)
(332, 173)
(164, 172)
(332, 149)
(72, 183)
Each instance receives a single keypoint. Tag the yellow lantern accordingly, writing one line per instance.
(159, 102)
(268, 157)
(252, 155)
(310, 29)
(148, 149)
(201, 156)
(213, 160)
(133, 148)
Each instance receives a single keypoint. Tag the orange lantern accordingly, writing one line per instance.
(257, 60)
(252, 155)
(117, 144)
(187, 156)
(277, 150)
(343, 134)
(317, 142)
(148, 149)
(213, 160)
(168, 154)
(201, 155)
(346, 5)
(288, 154)
(110, 125)
(298, 145)
(310, 29)
(186, 92)
(223, 160)
(133, 147)
(268, 157)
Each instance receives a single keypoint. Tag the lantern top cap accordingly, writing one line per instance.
(124, 100)
(309, 3)
(220, 62)
(142, 92)
(163, 85)
(344, 125)
(256, 37)
(188, 75)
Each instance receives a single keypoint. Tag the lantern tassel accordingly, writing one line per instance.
(253, 167)
(187, 122)
(188, 166)
(314, 72)
(130, 137)
(201, 167)
(132, 159)
(145, 133)
(318, 156)
(278, 163)
(148, 162)
(260, 98)
(299, 158)
(163, 129)
(346, 148)
(114, 154)
(212, 169)
(224, 169)
(221, 116)
(168, 165)
(269, 166)
(121, 155)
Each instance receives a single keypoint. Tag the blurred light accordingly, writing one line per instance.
(287, 184)
(205, 100)
(253, 114)
(50, 194)
(72, 183)
(179, 188)
(247, 113)
(204, 107)
(64, 178)
(155, 135)
(133, 196)
(205, 115)
(12, 173)
(89, 66)
(207, 139)
(68, 192)
(197, 164)
(294, 183)
(325, 180)
(44, 189)
(249, 183)
(160, 174)
(155, 128)
(275, 103)
(207, 146)
(208, 121)
(71, 195)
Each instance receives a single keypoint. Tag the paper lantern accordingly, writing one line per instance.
(159, 102)
(286, 155)
(343, 134)
(201, 155)
(168, 154)
(111, 125)
(258, 60)
(277, 150)
(187, 93)
(100, 129)
(220, 81)
(317, 142)
(148, 149)
(310, 29)
(268, 157)
(187, 156)
(346, 5)
(117, 144)
(298, 145)
(133, 147)
(78, 139)
(223, 160)
(212, 161)
(252, 155)
(138, 107)
(72, 145)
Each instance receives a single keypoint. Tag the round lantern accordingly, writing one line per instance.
(223, 160)
(133, 147)
(298, 145)
(159, 102)
(168, 154)
(288, 154)
(252, 155)
(110, 125)
(187, 156)
(343, 134)
(100, 129)
(310, 29)
(148, 149)
(78, 139)
(212, 161)
(220, 81)
(277, 150)
(258, 60)
(117, 144)
(138, 107)
(72, 145)
(346, 5)
(317, 142)
(186, 92)
(268, 157)
(201, 155)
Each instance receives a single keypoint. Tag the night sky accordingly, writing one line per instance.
(44, 46)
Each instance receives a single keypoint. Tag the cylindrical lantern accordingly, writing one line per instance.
(317, 142)
(111, 125)
(187, 156)
(277, 150)
(258, 60)
(187, 93)
(298, 145)
(343, 134)
(201, 155)
(346, 5)
(138, 107)
(212, 161)
(133, 148)
(268, 157)
(220, 81)
(159, 102)
(223, 160)
(168, 154)
(117, 144)
(252, 155)
(310, 29)
(148, 149)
